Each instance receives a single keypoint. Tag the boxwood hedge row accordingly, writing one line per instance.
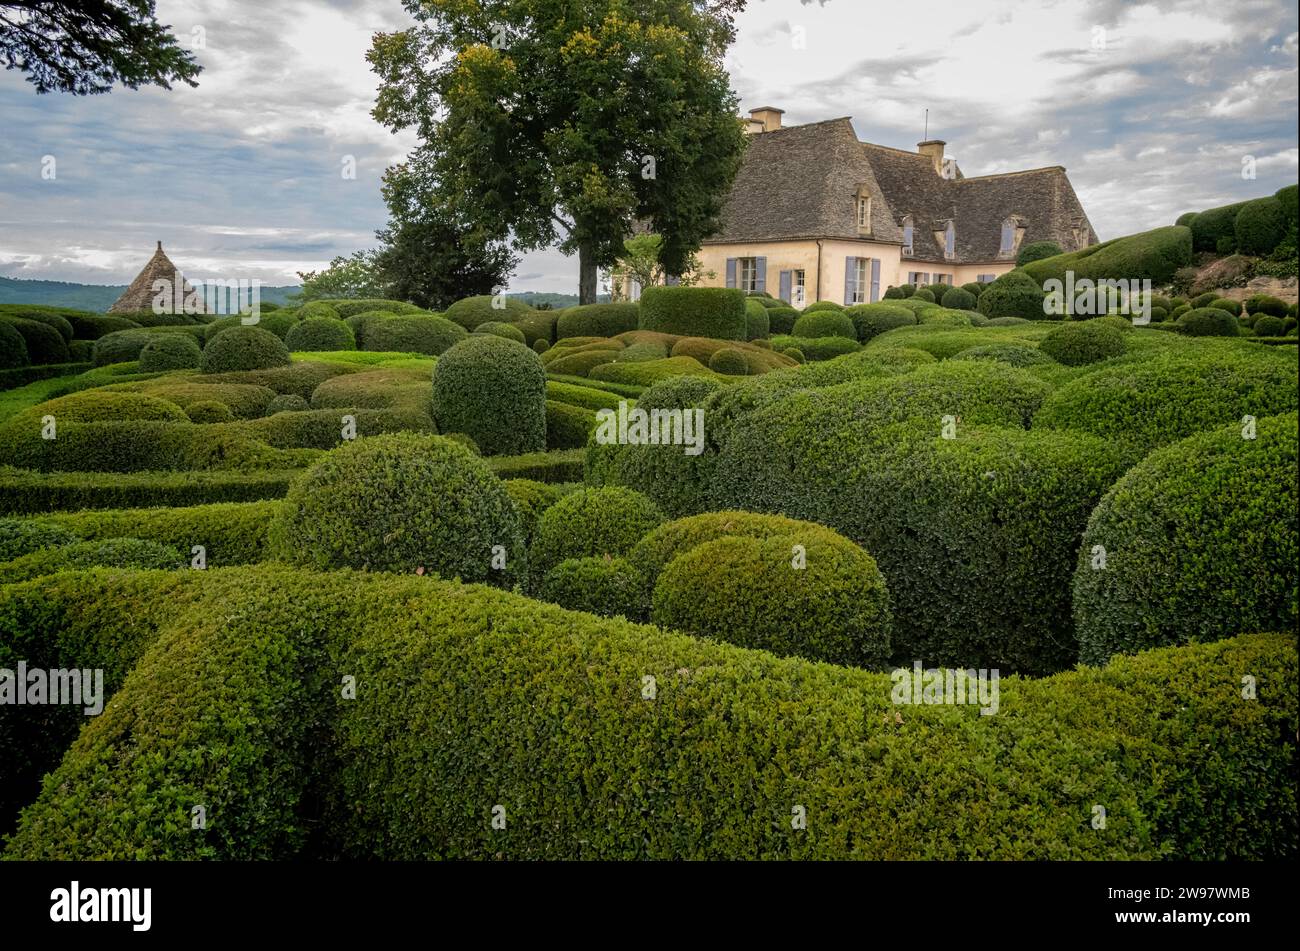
(23, 492)
(694, 312)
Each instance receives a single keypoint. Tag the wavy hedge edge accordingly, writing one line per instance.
(542, 713)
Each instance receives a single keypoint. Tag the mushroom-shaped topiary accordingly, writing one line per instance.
(244, 348)
(166, 352)
(494, 390)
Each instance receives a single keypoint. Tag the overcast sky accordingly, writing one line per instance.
(1151, 107)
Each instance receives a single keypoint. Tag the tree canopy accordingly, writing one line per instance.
(86, 47)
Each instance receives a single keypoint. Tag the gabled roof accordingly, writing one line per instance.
(801, 182)
(139, 296)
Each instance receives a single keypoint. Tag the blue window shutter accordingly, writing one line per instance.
(731, 272)
(672, 280)
(760, 274)
(849, 267)
(786, 286)
(875, 280)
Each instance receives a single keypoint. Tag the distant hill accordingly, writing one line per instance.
(100, 297)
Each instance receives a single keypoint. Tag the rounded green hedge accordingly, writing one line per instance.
(825, 323)
(1201, 542)
(1265, 304)
(1037, 251)
(287, 403)
(729, 362)
(568, 426)
(818, 348)
(694, 312)
(170, 352)
(401, 502)
(494, 391)
(530, 499)
(133, 553)
(498, 329)
(1213, 224)
(794, 353)
(1260, 226)
(13, 348)
(1014, 294)
(597, 320)
(209, 411)
(318, 308)
(820, 305)
(924, 294)
(122, 346)
(1012, 354)
(359, 321)
(871, 320)
(748, 591)
(44, 343)
(1209, 322)
(21, 536)
(602, 585)
(1268, 326)
(99, 405)
(244, 348)
(758, 325)
(1173, 395)
(780, 320)
(959, 299)
(317, 333)
(590, 523)
(469, 312)
(429, 335)
(1078, 343)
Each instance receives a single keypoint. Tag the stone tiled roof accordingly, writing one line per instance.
(140, 295)
(802, 182)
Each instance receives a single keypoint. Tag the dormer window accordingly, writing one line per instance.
(949, 240)
(1008, 237)
(907, 234)
(862, 205)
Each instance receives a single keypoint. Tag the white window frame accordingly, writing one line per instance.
(1008, 242)
(747, 274)
(861, 280)
(864, 212)
(986, 278)
(918, 278)
(909, 234)
(798, 287)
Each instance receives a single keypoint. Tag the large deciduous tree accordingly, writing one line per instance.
(87, 46)
(550, 121)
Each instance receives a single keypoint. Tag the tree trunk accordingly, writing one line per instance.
(587, 275)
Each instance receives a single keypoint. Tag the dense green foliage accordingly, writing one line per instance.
(493, 390)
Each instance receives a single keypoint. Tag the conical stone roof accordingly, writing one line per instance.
(141, 294)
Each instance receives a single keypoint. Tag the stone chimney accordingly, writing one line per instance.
(934, 149)
(766, 117)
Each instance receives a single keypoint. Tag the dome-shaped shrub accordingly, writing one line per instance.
(958, 299)
(815, 306)
(244, 348)
(1260, 226)
(541, 345)
(122, 346)
(287, 403)
(781, 320)
(795, 354)
(1012, 354)
(22, 536)
(428, 335)
(401, 502)
(1265, 304)
(209, 411)
(599, 585)
(472, 311)
(1014, 294)
(1037, 251)
(924, 294)
(758, 325)
(591, 523)
(825, 323)
(44, 343)
(729, 361)
(494, 390)
(597, 320)
(1209, 322)
(314, 334)
(498, 329)
(166, 352)
(871, 320)
(13, 348)
(1076, 344)
(98, 405)
(133, 553)
(796, 594)
(893, 293)
(1267, 326)
(318, 309)
(1200, 541)
(358, 322)
(530, 499)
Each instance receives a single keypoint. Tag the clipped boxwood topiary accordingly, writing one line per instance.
(957, 298)
(170, 352)
(13, 348)
(924, 294)
(729, 362)
(244, 348)
(780, 320)
(1265, 304)
(429, 335)
(1260, 226)
(44, 343)
(1012, 354)
(133, 553)
(498, 329)
(1268, 326)
(795, 354)
(531, 498)
(22, 536)
(597, 320)
(1077, 344)
(493, 390)
(603, 585)
(825, 323)
(758, 325)
(469, 312)
(1036, 251)
(287, 403)
(871, 320)
(318, 308)
(209, 411)
(1014, 294)
(567, 426)
(402, 502)
(1214, 224)
(694, 311)
(317, 333)
(592, 522)
(541, 345)
(792, 595)
(1200, 541)
(815, 306)
(1209, 322)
